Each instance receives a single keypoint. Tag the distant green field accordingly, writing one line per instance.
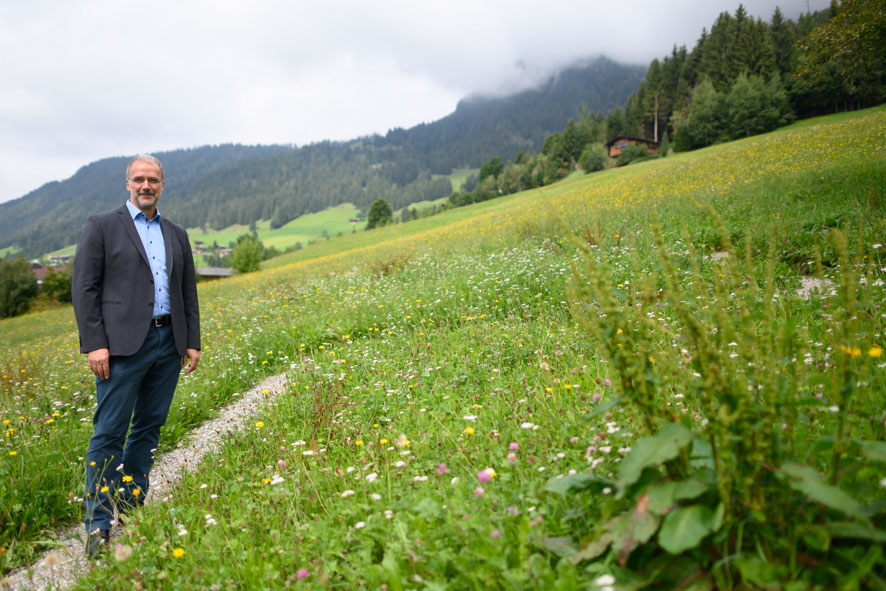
(316, 226)
(459, 176)
(422, 206)
(4, 252)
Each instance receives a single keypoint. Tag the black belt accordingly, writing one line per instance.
(161, 320)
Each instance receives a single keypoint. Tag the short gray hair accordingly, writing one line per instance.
(145, 158)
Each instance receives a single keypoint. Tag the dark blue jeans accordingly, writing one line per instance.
(135, 398)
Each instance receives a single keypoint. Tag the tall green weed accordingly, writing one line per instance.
(761, 452)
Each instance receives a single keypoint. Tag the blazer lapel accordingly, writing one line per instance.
(167, 242)
(126, 220)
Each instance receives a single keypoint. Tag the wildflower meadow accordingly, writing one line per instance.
(669, 374)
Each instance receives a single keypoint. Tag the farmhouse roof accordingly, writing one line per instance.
(214, 271)
(618, 138)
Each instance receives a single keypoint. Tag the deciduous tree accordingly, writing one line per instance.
(18, 286)
(248, 253)
(379, 214)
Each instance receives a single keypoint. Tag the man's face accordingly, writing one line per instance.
(143, 186)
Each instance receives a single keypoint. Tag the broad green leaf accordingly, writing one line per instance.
(576, 482)
(684, 528)
(563, 547)
(719, 515)
(632, 528)
(593, 549)
(855, 530)
(689, 489)
(702, 455)
(653, 450)
(756, 571)
(874, 450)
(661, 496)
(811, 483)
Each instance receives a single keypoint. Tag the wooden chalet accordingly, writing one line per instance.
(618, 143)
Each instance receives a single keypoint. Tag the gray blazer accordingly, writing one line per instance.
(112, 287)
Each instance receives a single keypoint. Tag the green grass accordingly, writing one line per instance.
(8, 251)
(457, 333)
(458, 176)
(422, 207)
(307, 228)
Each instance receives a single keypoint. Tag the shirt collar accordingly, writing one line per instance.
(134, 212)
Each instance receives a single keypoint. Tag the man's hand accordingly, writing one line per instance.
(191, 360)
(98, 362)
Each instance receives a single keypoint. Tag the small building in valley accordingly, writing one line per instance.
(214, 272)
(618, 143)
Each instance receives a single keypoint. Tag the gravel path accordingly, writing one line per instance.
(59, 568)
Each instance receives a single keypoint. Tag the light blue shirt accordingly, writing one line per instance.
(152, 239)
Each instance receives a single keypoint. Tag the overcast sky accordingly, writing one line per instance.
(85, 80)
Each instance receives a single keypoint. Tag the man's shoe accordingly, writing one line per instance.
(98, 541)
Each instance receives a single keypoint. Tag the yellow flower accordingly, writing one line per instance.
(875, 351)
(13, 453)
(259, 424)
(127, 479)
(382, 441)
(92, 463)
(358, 442)
(104, 489)
(402, 441)
(6, 421)
(469, 430)
(178, 552)
(136, 492)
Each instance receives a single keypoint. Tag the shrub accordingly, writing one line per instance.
(248, 253)
(18, 287)
(57, 285)
(593, 158)
(379, 214)
(630, 153)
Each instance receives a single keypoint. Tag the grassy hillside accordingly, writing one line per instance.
(614, 376)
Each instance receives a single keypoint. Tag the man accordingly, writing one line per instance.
(135, 299)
